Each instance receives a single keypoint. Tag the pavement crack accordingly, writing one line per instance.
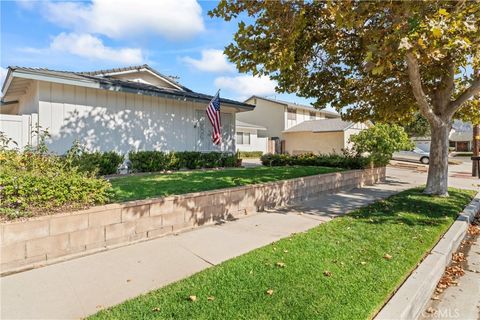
(198, 256)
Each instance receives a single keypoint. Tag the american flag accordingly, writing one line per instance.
(213, 113)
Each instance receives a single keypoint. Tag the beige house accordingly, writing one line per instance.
(277, 116)
(321, 136)
(124, 109)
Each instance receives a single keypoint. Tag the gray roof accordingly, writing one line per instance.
(107, 82)
(322, 125)
(241, 124)
(296, 105)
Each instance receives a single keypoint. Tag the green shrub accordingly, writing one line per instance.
(37, 182)
(380, 142)
(152, 161)
(346, 160)
(250, 154)
(100, 163)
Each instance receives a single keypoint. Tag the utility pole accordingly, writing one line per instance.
(475, 148)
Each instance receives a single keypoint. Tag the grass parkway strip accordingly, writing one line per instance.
(161, 184)
(343, 269)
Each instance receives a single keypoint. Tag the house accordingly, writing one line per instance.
(461, 136)
(124, 109)
(321, 136)
(247, 137)
(278, 116)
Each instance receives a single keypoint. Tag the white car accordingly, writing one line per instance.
(417, 155)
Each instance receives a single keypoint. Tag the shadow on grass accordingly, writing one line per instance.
(414, 208)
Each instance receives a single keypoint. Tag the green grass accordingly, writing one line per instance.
(157, 185)
(352, 248)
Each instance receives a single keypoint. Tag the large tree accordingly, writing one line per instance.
(378, 60)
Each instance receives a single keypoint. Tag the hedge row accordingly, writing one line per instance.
(249, 154)
(345, 161)
(151, 161)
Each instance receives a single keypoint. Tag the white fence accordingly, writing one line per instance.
(20, 129)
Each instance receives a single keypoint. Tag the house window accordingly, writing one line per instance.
(291, 114)
(243, 137)
(312, 115)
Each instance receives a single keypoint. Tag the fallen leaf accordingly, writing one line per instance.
(435, 298)
(281, 264)
(211, 298)
(387, 256)
(363, 263)
(269, 292)
(327, 273)
(128, 280)
(430, 310)
(285, 251)
(193, 298)
(98, 306)
(156, 309)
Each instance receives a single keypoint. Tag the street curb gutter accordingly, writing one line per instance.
(412, 297)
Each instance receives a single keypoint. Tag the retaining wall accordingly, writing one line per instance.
(48, 239)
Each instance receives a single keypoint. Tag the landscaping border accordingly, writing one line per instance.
(45, 240)
(412, 297)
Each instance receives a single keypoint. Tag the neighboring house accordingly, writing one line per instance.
(277, 116)
(124, 109)
(321, 136)
(461, 136)
(247, 138)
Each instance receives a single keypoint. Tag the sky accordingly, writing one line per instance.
(175, 37)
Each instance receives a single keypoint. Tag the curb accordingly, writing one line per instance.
(414, 294)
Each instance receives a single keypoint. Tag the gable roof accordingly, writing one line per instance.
(101, 79)
(322, 125)
(296, 105)
(143, 67)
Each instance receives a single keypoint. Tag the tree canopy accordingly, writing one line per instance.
(371, 60)
(352, 54)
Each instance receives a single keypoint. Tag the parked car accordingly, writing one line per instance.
(417, 155)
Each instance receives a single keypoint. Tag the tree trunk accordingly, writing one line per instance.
(437, 181)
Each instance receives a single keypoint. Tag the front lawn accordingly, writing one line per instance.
(160, 184)
(343, 269)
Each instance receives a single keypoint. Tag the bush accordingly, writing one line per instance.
(346, 160)
(152, 161)
(34, 183)
(100, 163)
(380, 142)
(250, 154)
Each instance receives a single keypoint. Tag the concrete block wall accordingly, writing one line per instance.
(44, 240)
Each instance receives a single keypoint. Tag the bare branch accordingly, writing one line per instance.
(416, 82)
(474, 89)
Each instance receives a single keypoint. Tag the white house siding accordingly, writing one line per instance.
(256, 143)
(28, 103)
(106, 120)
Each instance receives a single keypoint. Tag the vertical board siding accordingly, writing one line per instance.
(104, 120)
